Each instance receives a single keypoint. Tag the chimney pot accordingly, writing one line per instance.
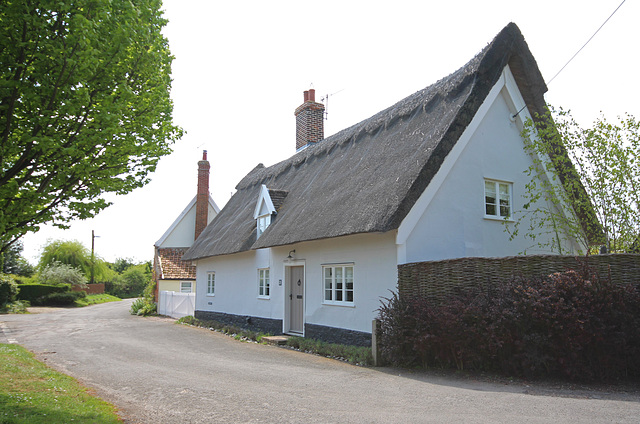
(204, 155)
(309, 121)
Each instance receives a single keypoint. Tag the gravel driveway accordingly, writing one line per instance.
(157, 372)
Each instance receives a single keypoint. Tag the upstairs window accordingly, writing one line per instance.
(263, 223)
(497, 199)
(263, 211)
(338, 284)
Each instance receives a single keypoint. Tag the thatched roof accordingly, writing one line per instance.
(367, 177)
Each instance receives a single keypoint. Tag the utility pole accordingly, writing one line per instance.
(93, 262)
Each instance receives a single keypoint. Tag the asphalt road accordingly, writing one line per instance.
(155, 371)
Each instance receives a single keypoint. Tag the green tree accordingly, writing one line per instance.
(84, 107)
(121, 264)
(14, 263)
(594, 172)
(74, 253)
(132, 282)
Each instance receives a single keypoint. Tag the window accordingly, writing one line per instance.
(338, 284)
(263, 283)
(211, 283)
(263, 223)
(497, 199)
(185, 286)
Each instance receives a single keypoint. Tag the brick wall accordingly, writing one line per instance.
(96, 288)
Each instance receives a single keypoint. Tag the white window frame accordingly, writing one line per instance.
(264, 283)
(211, 283)
(190, 286)
(262, 223)
(335, 289)
(498, 197)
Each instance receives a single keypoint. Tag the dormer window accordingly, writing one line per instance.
(263, 223)
(263, 211)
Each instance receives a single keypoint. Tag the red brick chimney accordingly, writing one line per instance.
(202, 200)
(309, 121)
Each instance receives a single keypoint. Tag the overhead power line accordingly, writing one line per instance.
(585, 44)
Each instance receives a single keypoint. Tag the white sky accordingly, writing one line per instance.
(241, 68)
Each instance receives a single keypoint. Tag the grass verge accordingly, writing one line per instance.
(95, 299)
(31, 392)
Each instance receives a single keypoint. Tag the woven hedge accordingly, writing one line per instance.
(442, 279)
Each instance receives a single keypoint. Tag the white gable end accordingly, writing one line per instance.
(449, 220)
(182, 231)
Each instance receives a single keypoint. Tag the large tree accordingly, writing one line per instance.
(84, 107)
(76, 255)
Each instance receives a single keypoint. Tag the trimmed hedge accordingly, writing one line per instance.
(60, 299)
(571, 324)
(32, 292)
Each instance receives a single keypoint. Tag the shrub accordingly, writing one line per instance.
(31, 292)
(131, 283)
(60, 299)
(17, 307)
(8, 289)
(570, 324)
(146, 305)
(58, 273)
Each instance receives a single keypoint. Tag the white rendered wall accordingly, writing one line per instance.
(236, 285)
(453, 224)
(183, 233)
(375, 273)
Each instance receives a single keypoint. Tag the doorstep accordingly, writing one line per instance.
(276, 340)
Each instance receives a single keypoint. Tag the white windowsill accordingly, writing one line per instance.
(498, 218)
(343, 304)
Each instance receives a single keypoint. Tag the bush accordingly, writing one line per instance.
(142, 308)
(131, 283)
(8, 289)
(17, 307)
(60, 299)
(569, 324)
(58, 273)
(32, 292)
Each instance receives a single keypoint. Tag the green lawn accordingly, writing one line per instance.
(31, 392)
(94, 299)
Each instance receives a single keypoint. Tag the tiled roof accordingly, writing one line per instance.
(171, 265)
